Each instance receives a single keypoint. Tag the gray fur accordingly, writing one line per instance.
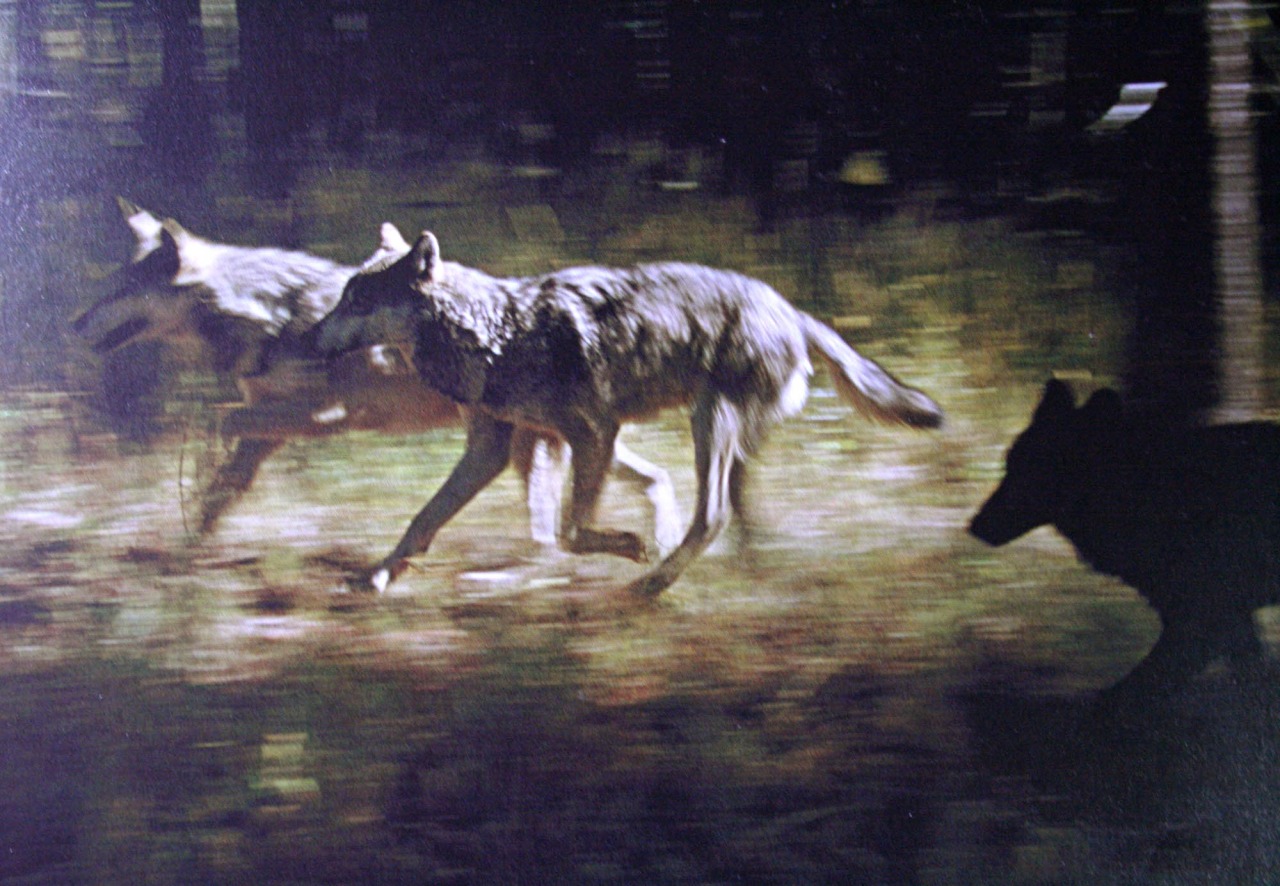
(235, 301)
(284, 291)
(583, 350)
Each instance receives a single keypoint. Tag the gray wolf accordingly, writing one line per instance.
(246, 309)
(1190, 518)
(580, 351)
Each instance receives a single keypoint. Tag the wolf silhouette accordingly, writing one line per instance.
(582, 350)
(1190, 518)
(246, 310)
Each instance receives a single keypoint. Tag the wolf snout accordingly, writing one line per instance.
(1000, 521)
(108, 325)
(86, 321)
(118, 336)
(983, 529)
(80, 322)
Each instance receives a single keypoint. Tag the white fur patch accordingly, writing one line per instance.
(389, 359)
(195, 259)
(146, 231)
(796, 391)
(334, 413)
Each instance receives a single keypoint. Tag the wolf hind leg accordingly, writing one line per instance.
(655, 483)
(541, 460)
(748, 533)
(593, 453)
(233, 478)
(1184, 648)
(719, 456)
(487, 453)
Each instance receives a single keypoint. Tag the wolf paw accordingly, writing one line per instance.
(649, 586)
(387, 571)
(609, 541)
(211, 511)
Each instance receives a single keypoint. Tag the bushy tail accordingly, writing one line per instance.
(872, 391)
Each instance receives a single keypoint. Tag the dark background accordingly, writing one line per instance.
(991, 101)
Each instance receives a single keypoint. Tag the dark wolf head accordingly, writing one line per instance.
(1047, 463)
(215, 300)
(153, 296)
(379, 304)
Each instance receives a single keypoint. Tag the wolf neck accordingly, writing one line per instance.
(465, 324)
(1100, 513)
(475, 305)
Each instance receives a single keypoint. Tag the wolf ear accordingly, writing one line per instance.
(1058, 401)
(128, 207)
(390, 245)
(425, 258)
(193, 255)
(144, 226)
(1104, 407)
(174, 231)
(391, 239)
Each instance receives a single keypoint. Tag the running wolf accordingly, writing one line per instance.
(580, 351)
(1189, 518)
(246, 309)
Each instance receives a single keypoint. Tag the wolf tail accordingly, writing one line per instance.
(865, 384)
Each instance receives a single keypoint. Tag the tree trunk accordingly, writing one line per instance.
(1237, 268)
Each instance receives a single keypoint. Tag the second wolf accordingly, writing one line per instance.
(246, 310)
(1188, 517)
(583, 350)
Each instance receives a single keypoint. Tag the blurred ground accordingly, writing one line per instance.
(870, 697)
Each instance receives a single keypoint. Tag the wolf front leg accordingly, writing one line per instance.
(487, 453)
(656, 484)
(592, 454)
(233, 478)
(1186, 645)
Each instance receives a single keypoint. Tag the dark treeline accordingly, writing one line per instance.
(975, 91)
(798, 105)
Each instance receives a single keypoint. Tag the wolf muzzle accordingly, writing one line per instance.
(119, 335)
(998, 522)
